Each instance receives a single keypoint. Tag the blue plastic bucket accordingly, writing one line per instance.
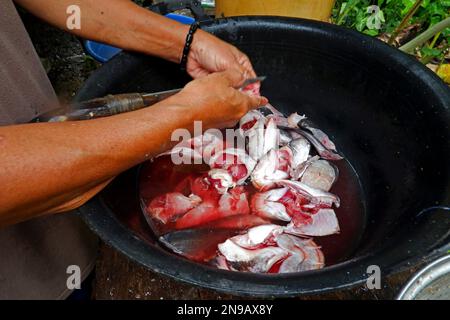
(103, 52)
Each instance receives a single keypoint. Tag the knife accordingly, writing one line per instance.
(115, 104)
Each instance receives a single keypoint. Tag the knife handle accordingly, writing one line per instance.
(115, 104)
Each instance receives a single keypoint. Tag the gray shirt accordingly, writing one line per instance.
(34, 255)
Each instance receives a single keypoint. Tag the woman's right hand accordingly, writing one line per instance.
(215, 101)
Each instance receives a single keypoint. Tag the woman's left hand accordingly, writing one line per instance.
(210, 54)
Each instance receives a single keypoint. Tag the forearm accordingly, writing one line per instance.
(48, 167)
(120, 23)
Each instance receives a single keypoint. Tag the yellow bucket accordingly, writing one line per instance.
(310, 9)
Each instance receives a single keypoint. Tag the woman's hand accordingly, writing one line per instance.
(210, 54)
(214, 100)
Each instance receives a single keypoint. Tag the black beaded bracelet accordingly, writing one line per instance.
(187, 45)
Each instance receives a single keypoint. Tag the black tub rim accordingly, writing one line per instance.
(344, 275)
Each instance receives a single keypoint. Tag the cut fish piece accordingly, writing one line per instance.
(274, 110)
(316, 196)
(296, 254)
(223, 178)
(325, 153)
(252, 89)
(199, 244)
(233, 203)
(320, 174)
(216, 224)
(279, 120)
(291, 264)
(196, 150)
(323, 223)
(267, 173)
(249, 120)
(168, 207)
(300, 149)
(201, 214)
(284, 157)
(319, 134)
(294, 120)
(314, 258)
(285, 138)
(266, 205)
(297, 173)
(257, 236)
(236, 161)
(258, 260)
(305, 252)
(220, 262)
(269, 250)
(271, 137)
(256, 140)
(262, 137)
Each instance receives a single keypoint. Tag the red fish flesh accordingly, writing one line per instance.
(253, 208)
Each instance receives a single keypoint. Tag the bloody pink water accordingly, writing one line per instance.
(161, 176)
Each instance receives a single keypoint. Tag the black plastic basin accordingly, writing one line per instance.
(388, 114)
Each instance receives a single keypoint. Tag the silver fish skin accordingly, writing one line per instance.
(256, 140)
(257, 260)
(297, 255)
(321, 150)
(274, 110)
(266, 205)
(300, 149)
(320, 174)
(297, 173)
(324, 223)
(189, 242)
(305, 254)
(316, 196)
(285, 138)
(294, 119)
(265, 174)
(257, 236)
(262, 247)
(255, 134)
(319, 134)
(271, 136)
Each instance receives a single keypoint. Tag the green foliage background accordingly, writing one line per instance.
(354, 14)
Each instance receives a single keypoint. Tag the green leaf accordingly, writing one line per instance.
(407, 5)
(425, 3)
(371, 32)
(431, 52)
(446, 32)
(361, 24)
